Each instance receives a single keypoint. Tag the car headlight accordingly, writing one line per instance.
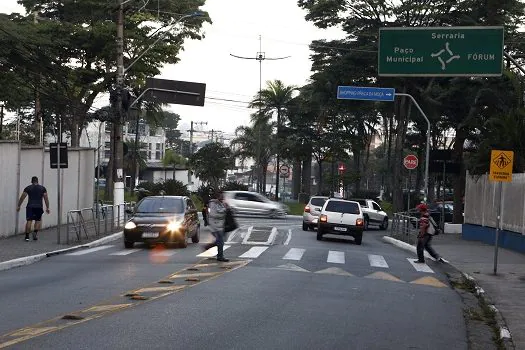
(130, 225)
(174, 226)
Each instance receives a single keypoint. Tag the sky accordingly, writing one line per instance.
(236, 27)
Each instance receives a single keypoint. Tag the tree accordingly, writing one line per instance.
(170, 126)
(211, 162)
(171, 158)
(83, 33)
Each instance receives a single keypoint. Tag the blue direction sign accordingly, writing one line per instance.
(365, 93)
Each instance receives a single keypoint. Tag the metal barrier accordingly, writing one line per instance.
(100, 220)
(405, 227)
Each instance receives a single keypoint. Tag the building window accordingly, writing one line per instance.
(107, 150)
(142, 129)
(158, 152)
(149, 150)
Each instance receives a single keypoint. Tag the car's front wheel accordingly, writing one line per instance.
(196, 237)
(129, 244)
(305, 227)
(366, 223)
(384, 225)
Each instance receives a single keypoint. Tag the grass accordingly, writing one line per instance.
(295, 208)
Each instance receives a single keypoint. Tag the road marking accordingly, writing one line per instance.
(335, 257)
(211, 252)
(126, 252)
(335, 271)
(100, 308)
(159, 289)
(91, 250)
(289, 237)
(247, 235)
(253, 252)
(197, 274)
(377, 261)
(430, 281)
(165, 253)
(420, 267)
(294, 254)
(33, 331)
(380, 275)
(291, 267)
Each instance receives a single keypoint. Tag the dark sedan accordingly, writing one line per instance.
(163, 219)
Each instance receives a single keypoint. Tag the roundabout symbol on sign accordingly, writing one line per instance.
(410, 162)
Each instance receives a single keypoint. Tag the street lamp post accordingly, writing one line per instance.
(1, 119)
(118, 146)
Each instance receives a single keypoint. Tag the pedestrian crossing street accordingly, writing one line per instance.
(334, 257)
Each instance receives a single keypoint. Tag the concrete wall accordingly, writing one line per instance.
(76, 186)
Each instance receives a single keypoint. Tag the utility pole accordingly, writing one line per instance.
(261, 56)
(191, 131)
(1, 119)
(118, 147)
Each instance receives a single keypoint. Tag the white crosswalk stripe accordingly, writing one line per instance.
(377, 261)
(90, 250)
(253, 252)
(420, 267)
(336, 257)
(164, 253)
(126, 252)
(210, 253)
(294, 254)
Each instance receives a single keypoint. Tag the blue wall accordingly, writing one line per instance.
(507, 239)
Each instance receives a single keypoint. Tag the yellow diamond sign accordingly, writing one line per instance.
(501, 166)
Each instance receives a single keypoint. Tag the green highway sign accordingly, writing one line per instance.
(440, 51)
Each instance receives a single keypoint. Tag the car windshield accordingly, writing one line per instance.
(318, 202)
(160, 205)
(343, 207)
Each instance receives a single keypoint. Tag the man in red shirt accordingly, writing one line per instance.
(424, 237)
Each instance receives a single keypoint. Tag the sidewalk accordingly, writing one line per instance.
(506, 289)
(15, 247)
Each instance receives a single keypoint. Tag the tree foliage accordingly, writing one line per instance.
(211, 162)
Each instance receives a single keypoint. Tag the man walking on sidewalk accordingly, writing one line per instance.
(34, 209)
(216, 215)
(424, 238)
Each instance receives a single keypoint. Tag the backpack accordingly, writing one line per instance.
(432, 227)
(229, 221)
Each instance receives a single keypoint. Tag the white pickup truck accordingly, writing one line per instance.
(373, 214)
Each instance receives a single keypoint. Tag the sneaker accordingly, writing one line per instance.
(419, 261)
(35, 238)
(223, 259)
(443, 261)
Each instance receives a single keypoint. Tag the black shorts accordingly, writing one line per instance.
(34, 214)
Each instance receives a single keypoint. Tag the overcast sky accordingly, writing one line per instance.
(236, 27)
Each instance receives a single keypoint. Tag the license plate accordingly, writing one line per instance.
(150, 235)
(343, 229)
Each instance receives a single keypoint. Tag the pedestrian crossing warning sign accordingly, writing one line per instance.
(501, 166)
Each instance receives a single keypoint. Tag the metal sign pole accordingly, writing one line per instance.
(59, 204)
(498, 228)
(408, 190)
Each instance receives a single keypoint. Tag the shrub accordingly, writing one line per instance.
(169, 187)
(234, 186)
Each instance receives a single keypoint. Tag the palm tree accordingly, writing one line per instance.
(275, 99)
(134, 160)
(171, 158)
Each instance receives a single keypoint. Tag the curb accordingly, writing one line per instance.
(504, 333)
(28, 260)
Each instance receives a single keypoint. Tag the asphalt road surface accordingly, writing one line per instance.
(282, 289)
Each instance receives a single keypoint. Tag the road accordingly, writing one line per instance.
(282, 289)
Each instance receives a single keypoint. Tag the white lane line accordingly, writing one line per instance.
(211, 252)
(294, 254)
(336, 257)
(164, 253)
(246, 238)
(253, 252)
(289, 237)
(420, 267)
(91, 250)
(377, 261)
(126, 252)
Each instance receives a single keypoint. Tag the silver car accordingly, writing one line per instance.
(312, 211)
(253, 203)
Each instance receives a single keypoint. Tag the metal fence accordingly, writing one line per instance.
(481, 203)
(99, 220)
(405, 227)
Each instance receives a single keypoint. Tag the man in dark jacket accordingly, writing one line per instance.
(425, 234)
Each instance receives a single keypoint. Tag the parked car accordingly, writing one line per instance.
(341, 217)
(312, 210)
(253, 203)
(373, 213)
(162, 219)
(435, 210)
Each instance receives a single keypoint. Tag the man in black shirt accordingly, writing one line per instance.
(34, 208)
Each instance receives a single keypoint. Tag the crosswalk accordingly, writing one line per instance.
(335, 257)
